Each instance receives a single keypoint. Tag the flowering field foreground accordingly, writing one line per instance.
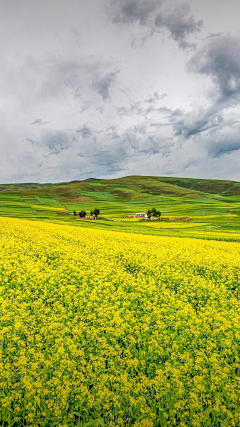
(109, 329)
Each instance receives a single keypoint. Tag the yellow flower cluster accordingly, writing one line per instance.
(110, 329)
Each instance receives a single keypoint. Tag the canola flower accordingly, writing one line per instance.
(110, 329)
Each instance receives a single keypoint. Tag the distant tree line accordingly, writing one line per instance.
(153, 212)
(82, 213)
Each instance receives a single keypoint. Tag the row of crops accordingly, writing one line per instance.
(101, 328)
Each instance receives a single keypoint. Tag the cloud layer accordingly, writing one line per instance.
(118, 87)
(179, 22)
(220, 60)
(129, 11)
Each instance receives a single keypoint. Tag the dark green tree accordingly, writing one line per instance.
(154, 212)
(82, 214)
(91, 213)
(149, 213)
(96, 212)
(74, 213)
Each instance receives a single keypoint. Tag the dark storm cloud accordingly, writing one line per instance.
(175, 114)
(57, 140)
(179, 21)
(180, 25)
(101, 84)
(85, 132)
(224, 146)
(129, 11)
(165, 110)
(140, 141)
(209, 130)
(190, 125)
(220, 59)
(105, 157)
(110, 158)
(54, 140)
(112, 151)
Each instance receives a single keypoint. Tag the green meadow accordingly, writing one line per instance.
(213, 206)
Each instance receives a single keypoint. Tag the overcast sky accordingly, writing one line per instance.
(109, 88)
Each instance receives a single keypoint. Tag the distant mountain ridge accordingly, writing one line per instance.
(126, 188)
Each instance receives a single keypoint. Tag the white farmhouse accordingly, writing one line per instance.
(140, 215)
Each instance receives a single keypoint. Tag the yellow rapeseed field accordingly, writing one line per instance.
(110, 329)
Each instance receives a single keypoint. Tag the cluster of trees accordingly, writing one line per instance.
(153, 212)
(82, 214)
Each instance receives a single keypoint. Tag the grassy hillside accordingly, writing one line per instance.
(213, 206)
(206, 185)
(128, 188)
(131, 187)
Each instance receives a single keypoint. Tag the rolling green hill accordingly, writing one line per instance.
(213, 206)
(206, 185)
(130, 187)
